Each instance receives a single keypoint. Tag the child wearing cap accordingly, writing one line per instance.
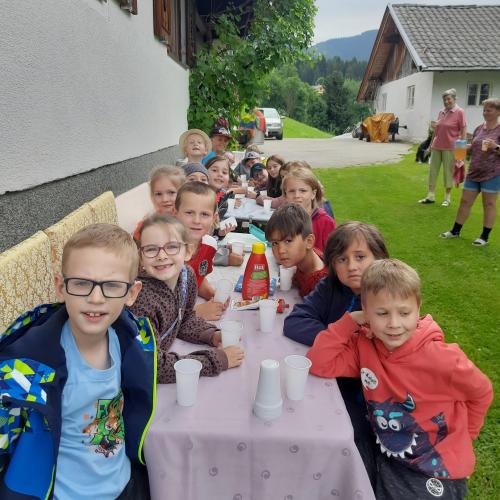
(196, 172)
(195, 145)
(244, 167)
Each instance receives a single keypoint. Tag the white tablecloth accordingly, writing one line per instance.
(219, 450)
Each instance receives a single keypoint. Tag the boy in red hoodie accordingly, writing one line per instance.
(426, 400)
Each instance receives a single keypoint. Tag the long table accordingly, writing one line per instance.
(219, 450)
(249, 211)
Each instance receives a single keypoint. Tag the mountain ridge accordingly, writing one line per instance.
(357, 46)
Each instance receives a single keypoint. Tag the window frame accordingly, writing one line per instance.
(410, 96)
(477, 98)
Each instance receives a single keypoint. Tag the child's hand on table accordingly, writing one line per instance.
(210, 310)
(235, 259)
(234, 355)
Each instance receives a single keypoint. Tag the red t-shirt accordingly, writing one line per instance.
(201, 261)
(307, 282)
(323, 225)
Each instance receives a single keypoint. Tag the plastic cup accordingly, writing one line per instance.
(267, 205)
(242, 179)
(244, 185)
(237, 247)
(230, 332)
(230, 204)
(286, 276)
(263, 193)
(223, 290)
(297, 370)
(484, 145)
(267, 313)
(251, 189)
(268, 401)
(187, 374)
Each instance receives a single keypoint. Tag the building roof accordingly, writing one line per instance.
(438, 38)
(450, 37)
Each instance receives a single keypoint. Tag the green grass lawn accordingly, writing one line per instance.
(292, 129)
(461, 283)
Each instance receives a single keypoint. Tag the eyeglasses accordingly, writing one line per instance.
(170, 248)
(83, 288)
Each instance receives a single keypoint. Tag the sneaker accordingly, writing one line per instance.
(479, 242)
(446, 203)
(448, 235)
(426, 201)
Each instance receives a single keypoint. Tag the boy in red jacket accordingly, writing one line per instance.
(426, 400)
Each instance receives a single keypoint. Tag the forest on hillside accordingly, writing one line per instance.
(321, 93)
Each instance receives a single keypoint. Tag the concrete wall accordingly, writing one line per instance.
(83, 84)
(459, 80)
(416, 118)
(22, 213)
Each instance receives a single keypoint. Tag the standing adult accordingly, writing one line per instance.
(483, 175)
(450, 126)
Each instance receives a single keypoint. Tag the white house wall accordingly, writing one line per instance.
(416, 118)
(83, 84)
(459, 80)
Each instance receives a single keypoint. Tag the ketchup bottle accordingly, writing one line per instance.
(256, 277)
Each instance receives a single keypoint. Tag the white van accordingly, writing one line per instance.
(274, 124)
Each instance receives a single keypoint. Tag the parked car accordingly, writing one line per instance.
(274, 123)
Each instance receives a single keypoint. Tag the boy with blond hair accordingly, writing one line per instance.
(196, 208)
(78, 380)
(426, 400)
(289, 230)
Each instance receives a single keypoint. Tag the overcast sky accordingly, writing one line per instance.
(340, 18)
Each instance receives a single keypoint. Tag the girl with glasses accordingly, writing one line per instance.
(168, 297)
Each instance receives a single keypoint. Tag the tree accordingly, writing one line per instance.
(228, 74)
(336, 98)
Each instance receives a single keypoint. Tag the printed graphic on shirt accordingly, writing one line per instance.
(106, 431)
(203, 268)
(401, 437)
(368, 379)
(435, 487)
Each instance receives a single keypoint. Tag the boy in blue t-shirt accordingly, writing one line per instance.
(77, 380)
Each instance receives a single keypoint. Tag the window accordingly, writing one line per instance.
(383, 106)
(477, 93)
(173, 26)
(410, 96)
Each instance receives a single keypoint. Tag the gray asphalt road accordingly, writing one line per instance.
(339, 151)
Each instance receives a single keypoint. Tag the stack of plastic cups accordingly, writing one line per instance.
(268, 401)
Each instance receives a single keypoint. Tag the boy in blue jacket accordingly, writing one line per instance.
(77, 380)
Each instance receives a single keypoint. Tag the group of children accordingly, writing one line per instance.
(78, 383)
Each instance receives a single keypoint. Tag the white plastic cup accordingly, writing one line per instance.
(230, 204)
(484, 145)
(251, 189)
(286, 276)
(263, 193)
(223, 290)
(237, 247)
(230, 332)
(242, 178)
(267, 205)
(267, 313)
(244, 185)
(297, 370)
(187, 374)
(268, 401)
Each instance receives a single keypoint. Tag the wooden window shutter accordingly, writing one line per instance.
(162, 19)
